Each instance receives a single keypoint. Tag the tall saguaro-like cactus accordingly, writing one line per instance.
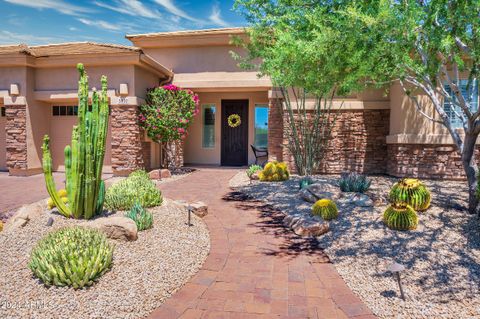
(84, 157)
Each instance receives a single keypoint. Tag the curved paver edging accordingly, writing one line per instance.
(255, 268)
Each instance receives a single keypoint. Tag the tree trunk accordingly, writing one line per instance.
(471, 171)
(169, 150)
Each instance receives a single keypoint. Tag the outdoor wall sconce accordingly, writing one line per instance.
(123, 89)
(396, 269)
(14, 90)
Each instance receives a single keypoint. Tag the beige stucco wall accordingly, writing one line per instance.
(194, 152)
(144, 80)
(407, 125)
(66, 78)
(196, 59)
(13, 75)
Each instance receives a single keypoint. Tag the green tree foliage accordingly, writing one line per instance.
(345, 46)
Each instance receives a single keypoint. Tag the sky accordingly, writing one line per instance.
(36, 22)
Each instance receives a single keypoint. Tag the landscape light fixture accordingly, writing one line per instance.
(189, 209)
(396, 269)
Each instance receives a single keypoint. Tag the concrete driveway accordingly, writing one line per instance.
(17, 191)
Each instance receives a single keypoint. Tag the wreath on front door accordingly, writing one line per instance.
(234, 120)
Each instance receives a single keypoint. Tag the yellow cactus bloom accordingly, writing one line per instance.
(62, 193)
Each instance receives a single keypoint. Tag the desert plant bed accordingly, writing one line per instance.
(144, 273)
(441, 256)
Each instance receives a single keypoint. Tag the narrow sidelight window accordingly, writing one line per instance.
(208, 122)
(3, 114)
(451, 109)
(261, 126)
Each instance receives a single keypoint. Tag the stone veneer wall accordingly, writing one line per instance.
(275, 129)
(16, 136)
(127, 146)
(358, 143)
(425, 161)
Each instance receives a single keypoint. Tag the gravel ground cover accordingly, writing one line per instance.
(144, 273)
(442, 276)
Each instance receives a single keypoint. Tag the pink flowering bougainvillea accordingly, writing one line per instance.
(166, 115)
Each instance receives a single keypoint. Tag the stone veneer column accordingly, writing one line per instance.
(275, 126)
(127, 140)
(16, 138)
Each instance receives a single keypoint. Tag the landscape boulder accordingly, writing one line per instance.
(306, 227)
(25, 214)
(116, 227)
(198, 208)
(159, 174)
(318, 191)
(355, 199)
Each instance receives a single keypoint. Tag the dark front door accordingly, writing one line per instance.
(234, 139)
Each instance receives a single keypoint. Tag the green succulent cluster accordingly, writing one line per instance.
(141, 217)
(74, 257)
(252, 169)
(137, 187)
(400, 217)
(274, 172)
(412, 192)
(305, 182)
(354, 182)
(325, 208)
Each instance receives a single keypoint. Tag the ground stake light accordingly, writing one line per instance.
(396, 269)
(189, 209)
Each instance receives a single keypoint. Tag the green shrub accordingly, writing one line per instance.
(274, 172)
(410, 191)
(135, 188)
(325, 208)
(141, 217)
(354, 182)
(400, 217)
(73, 256)
(253, 169)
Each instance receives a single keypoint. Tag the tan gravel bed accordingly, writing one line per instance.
(442, 255)
(145, 272)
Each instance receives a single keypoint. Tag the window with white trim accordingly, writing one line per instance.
(208, 123)
(451, 109)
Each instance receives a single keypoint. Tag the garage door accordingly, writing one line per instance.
(62, 120)
(3, 146)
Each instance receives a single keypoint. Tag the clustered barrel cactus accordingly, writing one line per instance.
(400, 217)
(325, 208)
(84, 157)
(411, 191)
(274, 172)
(74, 257)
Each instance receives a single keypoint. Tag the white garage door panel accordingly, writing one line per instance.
(61, 135)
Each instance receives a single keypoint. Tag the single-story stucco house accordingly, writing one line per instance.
(375, 132)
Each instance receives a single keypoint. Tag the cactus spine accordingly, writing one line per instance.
(84, 157)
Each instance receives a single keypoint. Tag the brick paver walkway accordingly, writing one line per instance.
(256, 268)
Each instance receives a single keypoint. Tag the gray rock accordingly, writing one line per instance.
(307, 196)
(117, 227)
(318, 191)
(50, 222)
(24, 215)
(355, 199)
(311, 229)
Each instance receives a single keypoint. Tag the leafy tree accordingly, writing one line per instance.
(302, 48)
(429, 46)
(166, 116)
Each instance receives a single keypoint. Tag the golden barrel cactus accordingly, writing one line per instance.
(412, 192)
(400, 217)
(274, 172)
(325, 208)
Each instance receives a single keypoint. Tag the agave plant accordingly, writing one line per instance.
(354, 182)
(325, 208)
(410, 191)
(400, 217)
(73, 256)
(305, 182)
(140, 216)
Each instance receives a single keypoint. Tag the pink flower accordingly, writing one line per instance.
(181, 130)
(171, 87)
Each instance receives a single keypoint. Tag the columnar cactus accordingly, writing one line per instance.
(84, 157)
